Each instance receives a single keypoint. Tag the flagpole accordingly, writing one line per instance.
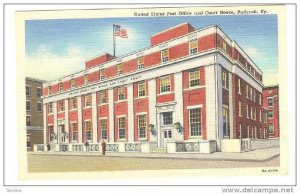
(114, 41)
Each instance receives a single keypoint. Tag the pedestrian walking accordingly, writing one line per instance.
(103, 146)
(86, 146)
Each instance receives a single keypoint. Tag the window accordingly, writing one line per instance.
(255, 114)
(141, 89)
(39, 92)
(87, 100)
(103, 128)
(248, 131)
(194, 78)
(121, 127)
(39, 107)
(247, 111)
(165, 55)
(260, 116)
(254, 95)
(74, 131)
(195, 122)
(240, 131)
(270, 114)
(259, 99)
(101, 74)
(86, 79)
(225, 79)
(28, 141)
(225, 122)
(240, 108)
(74, 103)
(50, 89)
(251, 113)
(28, 120)
(120, 68)
(251, 94)
(167, 118)
(141, 63)
(28, 105)
(61, 106)
(102, 95)
(142, 126)
(193, 46)
(88, 130)
(239, 86)
(28, 90)
(50, 107)
(271, 128)
(60, 87)
(72, 83)
(270, 102)
(121, 93)
(247, 91)
(224, 46)
(165, 84)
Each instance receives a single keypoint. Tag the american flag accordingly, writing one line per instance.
(120, 32)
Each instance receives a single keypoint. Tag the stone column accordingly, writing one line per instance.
(152, 108)
(130, 113)
(79, 111)
(55, 129)
(210, 99)
(179, 105)
(94, 117)
(111, 115)
(230, 108)
(45, 122)
(67, 119)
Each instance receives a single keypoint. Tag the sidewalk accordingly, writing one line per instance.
(252, 156)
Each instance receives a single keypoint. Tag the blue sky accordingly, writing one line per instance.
(58, 47)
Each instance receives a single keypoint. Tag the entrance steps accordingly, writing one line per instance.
(159, 150)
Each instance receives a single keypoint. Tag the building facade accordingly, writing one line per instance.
(188, 86)
(34, 112)
(271, 103)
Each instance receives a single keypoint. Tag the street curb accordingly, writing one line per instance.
(165, 157)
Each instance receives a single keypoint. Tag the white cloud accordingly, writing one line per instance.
(46, 65)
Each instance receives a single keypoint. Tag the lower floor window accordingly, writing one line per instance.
(88, 130)
(225, 122)
(142, 126)
(103, 128)
(121, 126)
(74, 135)
(88, 135)
(28, 141)
(195, 121)
(121, 133)
(104, 134)
(271, 128)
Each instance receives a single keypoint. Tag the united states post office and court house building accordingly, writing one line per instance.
(191, 90)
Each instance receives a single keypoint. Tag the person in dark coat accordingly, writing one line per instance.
(87, 146)
(103, 146)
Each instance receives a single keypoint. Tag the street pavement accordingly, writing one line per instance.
(254, 156)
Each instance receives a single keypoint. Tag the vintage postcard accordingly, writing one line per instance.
(145, 92)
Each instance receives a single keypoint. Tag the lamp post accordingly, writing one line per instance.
(177, 126)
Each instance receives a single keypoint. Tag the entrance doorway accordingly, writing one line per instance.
(166, 128)
(166, 136)
(62, 137)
